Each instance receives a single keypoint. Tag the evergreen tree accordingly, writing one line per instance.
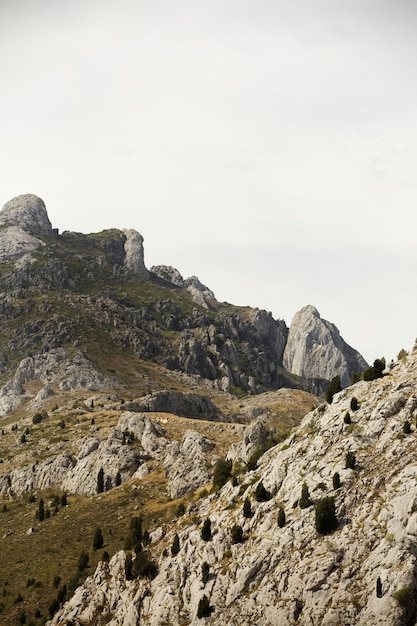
(236, 533)
(334, 387)
(350, 460)
(326, 520)
(98, 540)
(83, 560)
(100, 481)
(175, 548)
(354, 405)
(205, 571)
(305, 500)
(204, 608)
(247, 508)
(378, 587)
(336, 480)
(407, 427)
(134, 539)
(347, 419)
(40, 514)
(222, 471)
(206, 530)
(281, 517)
(261, 494)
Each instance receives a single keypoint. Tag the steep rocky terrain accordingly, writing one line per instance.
(123, 393)
(364, 571)
(93, 296)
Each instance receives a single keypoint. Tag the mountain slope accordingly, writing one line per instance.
(364, 572)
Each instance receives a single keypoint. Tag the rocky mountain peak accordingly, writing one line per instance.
(27, 212)
(315, 349)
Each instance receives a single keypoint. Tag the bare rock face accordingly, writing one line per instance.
(315, 349)
(200, 293)
(134, 259)
(355, 573)
(24, 223)
(186, 464)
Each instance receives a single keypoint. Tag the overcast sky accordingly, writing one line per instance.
(267, 147)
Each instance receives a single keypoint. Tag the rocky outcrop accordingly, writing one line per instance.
(186, 464)
(134, 259)
(201, 294)
(24, 223)
(191, 405)
(293, 574)
(315, 349)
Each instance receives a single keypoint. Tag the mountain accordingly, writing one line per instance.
(124, 393)
(344, 554)
(92, 296)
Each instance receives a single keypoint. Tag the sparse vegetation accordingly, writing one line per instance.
(281, 517)
(247, 508)
(261, 494)
(350, 460)
(333, 388)
(221, 473)
(206, 530)
(204, 609)
(236, 533)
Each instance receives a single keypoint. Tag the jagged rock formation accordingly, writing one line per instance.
(24, 223)
(183, 404)
(95, 282)
(315, 349)
(362, 573)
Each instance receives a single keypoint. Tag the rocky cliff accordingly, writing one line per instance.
(73, 291)
(358, 466)
(315, 349)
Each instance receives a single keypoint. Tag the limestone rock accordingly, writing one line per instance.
(192, 405)
(24, 223)
(200, 293)
(315, 349)
(254, 439)
(168, 273)
(291, 574)
(134, 259)
(186, 464)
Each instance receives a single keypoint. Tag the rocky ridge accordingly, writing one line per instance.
(358, 574)
(100, 281)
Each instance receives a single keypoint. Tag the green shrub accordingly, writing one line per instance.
(347, 419)
(236, 533)
(180, 509)
(204, 608)
(350, 460)
(261, 494)
(326, 520)
(175, 547)
(134, 539)
(144, 566)
(205, 571)
(83, 560)
(305, 500)
(404, 596)
(407, 427)
(53, 607)
(98, 539)
(378, 587)
(100, 481)
(247, 508)
(336, 480)
(354, 405)
(281, 517)
(334, 387)
(206, 530)
(221, 473)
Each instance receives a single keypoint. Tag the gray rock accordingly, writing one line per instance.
(315, 349)
(168, 273)
(134, 259)
(27, 212)
(186, 464)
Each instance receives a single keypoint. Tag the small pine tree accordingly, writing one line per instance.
(40, 513)
(236, 533)
(247, 508)
(205, 571)
(378, 587)
(105, 556)
(134, 539)
(118, 479)
(206, 530)
(221, 473)
(326, 520)
(407, 427)
(347, 419)
(354, 405)
(83, 560)
(281, 517)
(175, 548)
(336, 480)
(305, 500)
(350, 460)
(204, 609)
(100, 481)
(64, 500)
(261, 494)
(98, 540)
(334, 387)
